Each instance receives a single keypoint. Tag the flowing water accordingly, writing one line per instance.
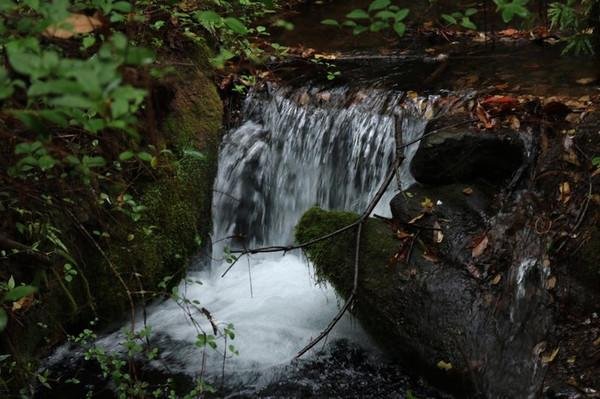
(295, 149)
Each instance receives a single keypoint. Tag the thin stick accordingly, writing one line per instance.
(360, 222)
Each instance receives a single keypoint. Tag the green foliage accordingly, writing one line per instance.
(12, 293)
(571, 17)
(461, 18)
(381, 15)
(511, 8)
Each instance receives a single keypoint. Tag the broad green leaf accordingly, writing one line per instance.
(385, 14)
(402, 14)
(400, 28)
(46, 162)
(379, 5)
(126, 156)
(330, 22)
(359, 29)
(236, 25)
(194, 154)
(358, 14)
(470, 12)
(19, 292)
(467, 23)
(72, 101)
(450, 19)
(93, 162)
(208, 19)
(144, 156)
(122, 6)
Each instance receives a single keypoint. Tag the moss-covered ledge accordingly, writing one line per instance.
(178, 201)
(177, 197)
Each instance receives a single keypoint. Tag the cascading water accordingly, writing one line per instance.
(297, 148)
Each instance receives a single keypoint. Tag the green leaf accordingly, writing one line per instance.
(236, 25)
(379, 5)
(470, 12)
(509, 10)
(3, 319)
(144, 156)
(194, 154)
(400, 28)
(46, 162)
(72, 101)
(385, 15)
(93, 162)
(330, 22)
(359, 29)
(122, 6)
(358, 14)
(450, 19)
(126, 155)
(401, 14)
(467, 23)
(19, 292)
(208, 19)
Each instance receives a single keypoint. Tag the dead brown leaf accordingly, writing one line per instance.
(74, 24)
(514, 122)
(550, 358)
(564, 190)
(497, 279)
(401, 235)
(480, 247)
(551, 283)
(586, 81)
(467, 191)
(438, 236)
(483, 116)
(430, 257)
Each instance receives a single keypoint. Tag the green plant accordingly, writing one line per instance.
(461, 18)
(571, 17)
(511, 8)
(12, 293)
(381, 15)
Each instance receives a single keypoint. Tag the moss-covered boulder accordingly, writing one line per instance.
(430, 312)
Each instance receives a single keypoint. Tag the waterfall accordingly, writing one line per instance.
(305, 147)
(296, 148)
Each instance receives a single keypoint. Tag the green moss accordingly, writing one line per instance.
(334, 258)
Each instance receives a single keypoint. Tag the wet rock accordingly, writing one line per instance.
(471, 335)
(461, 155)
(459, 210)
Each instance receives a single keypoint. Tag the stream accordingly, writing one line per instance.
(296, 148)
